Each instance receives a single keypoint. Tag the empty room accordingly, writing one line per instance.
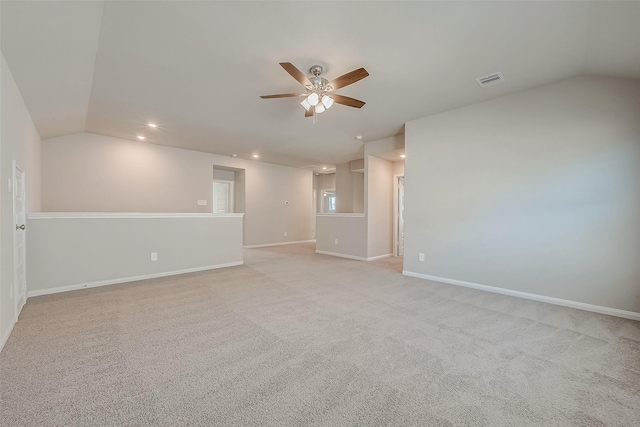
(287, 213)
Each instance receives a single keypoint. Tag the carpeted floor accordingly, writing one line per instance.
(295, 339)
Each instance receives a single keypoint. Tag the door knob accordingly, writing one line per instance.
(20, 227)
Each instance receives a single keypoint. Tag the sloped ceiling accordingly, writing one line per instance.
(198, 68)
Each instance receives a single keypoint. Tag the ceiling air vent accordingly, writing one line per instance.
(490, 80)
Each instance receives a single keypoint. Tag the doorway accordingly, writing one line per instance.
(19, 216)
(398, 217)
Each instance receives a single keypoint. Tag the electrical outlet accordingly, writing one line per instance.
(285, 234)
(154, 256)
(420, 256)
(202, 203)
(336, 241)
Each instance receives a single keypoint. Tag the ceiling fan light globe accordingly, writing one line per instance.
(320, 108)
(327, 101)
(313, 99)
(305, 104)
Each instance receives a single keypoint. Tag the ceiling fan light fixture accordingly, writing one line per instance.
(313, 99)
(327, 101)
(305, 104)
(320, 108)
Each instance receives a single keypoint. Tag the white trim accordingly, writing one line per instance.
(374, 258)
(342, 215)
(266, 245)
(128, 279)
(535, 297)
(357, 258)
(396, 206)
(118, 215)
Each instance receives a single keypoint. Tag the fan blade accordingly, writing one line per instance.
(349, 78)
(295, 73)
(308, 113)
(349, 102)
(282, 95)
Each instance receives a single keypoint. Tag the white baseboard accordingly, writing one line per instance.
(373, 258)
(128, 279)
(535, 297)
(357, 258)
(266, 245)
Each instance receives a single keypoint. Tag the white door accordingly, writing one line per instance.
(19, 216)
(222, 196)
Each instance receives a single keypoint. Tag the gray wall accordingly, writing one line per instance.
(349, 189)
(536, 192)
(94, 173)
(350, 230)
(68, 252)
(19, 141)
(379, 174)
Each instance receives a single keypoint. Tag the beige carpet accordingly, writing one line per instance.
(295, 339)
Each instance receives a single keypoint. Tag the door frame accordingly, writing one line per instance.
(396, 202)
(19, 300)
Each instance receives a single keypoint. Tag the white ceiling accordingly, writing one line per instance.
(198, 68)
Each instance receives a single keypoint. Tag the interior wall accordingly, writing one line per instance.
(398, 168)
(349, 189)
(88, 250)
(239, 191)
(379, 175)
(358, 191)
(535, 192)
(342, 235)
(19, 141)
(223, 175)
(86, 172)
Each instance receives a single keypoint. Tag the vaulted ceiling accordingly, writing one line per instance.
(198, 68)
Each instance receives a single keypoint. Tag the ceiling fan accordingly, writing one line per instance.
(319, 94)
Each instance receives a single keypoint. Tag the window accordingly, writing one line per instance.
(329, 201)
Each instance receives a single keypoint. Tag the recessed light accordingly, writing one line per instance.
(234, 155)
(403, 155)
(358, 137)
(152, 125)
(141, 138)
(256, 156)
(324, 168)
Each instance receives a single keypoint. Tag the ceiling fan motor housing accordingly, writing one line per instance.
(318, 82)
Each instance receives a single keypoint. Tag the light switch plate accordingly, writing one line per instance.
(202, 203)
